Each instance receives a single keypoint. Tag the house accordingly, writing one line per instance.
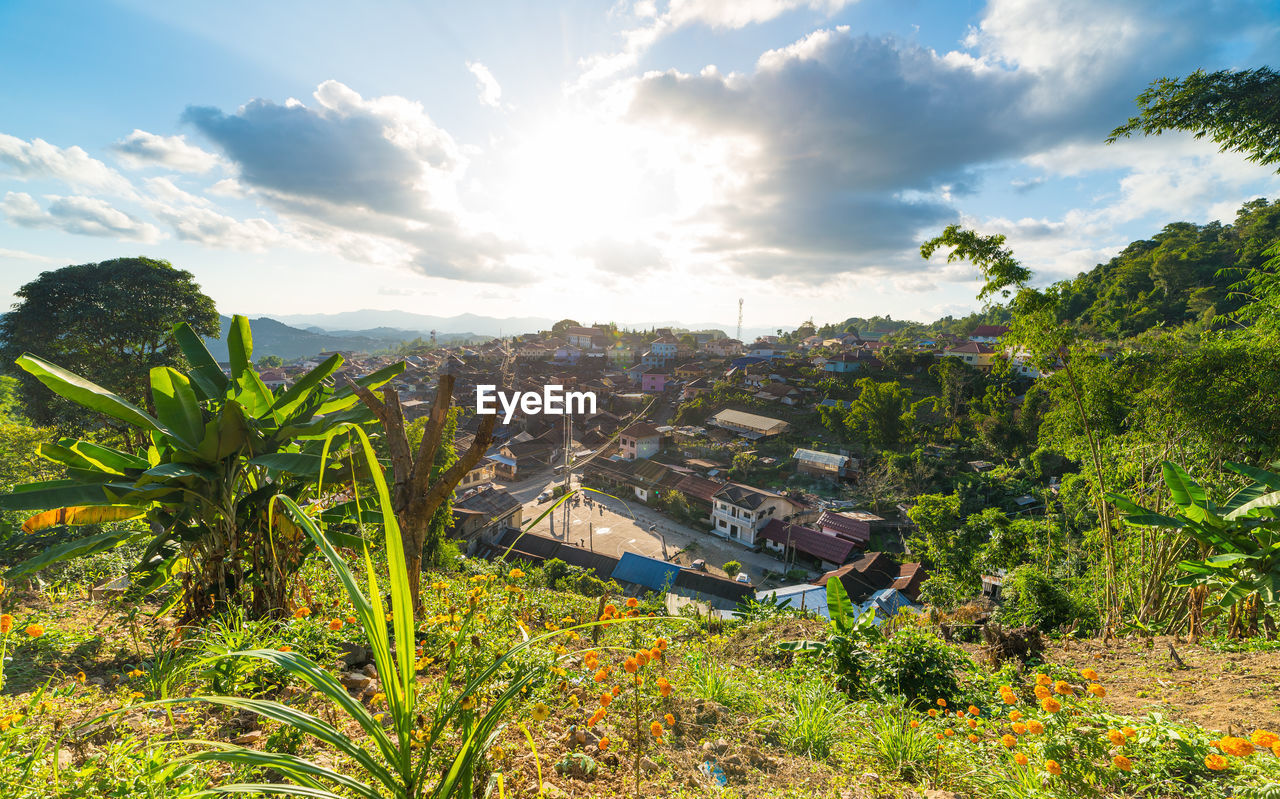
(695, 388)
(875, 571)
(644, 572)
(781, 392)
(689, 371)
(665, 347)
(621, 355)
(527, 455)
(988, 334)
(853, 525)
(823, 464)
(724, 347)
(700, 492)
(718, 592)
(842, 363)
(481, 516)
(804, 597)
(973, 353)
(486, 471)
(748, 425)
(640, 440)
(786, 540)
(584, 337)
(653, 382)
(739, 512)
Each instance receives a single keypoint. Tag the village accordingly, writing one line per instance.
(660, 508)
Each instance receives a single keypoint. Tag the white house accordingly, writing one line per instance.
(738, 512)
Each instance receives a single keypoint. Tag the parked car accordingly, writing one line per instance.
(743, 578)
(699, 564)
(545, 496)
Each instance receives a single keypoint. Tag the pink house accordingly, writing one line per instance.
(653, 381)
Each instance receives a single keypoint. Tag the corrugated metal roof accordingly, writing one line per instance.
(823, 458)
(654, 574)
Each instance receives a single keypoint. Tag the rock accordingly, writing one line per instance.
(249, 738)
(98, 681)
(352, 655)
(355, 681)
(370, 670)
(610, 759)
(870, 779)
(722, 746)
(733, 764)
(754, 756)
(648, 764)
(708, 713)
(65, 760)
(938, 793)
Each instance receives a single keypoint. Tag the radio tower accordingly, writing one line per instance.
(739, 319)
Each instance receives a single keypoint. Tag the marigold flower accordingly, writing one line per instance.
(1051, 705)
(973, 739)
(541, 712)
(1123, 763)
(1020, 728)
(632, 602)
(959, 714)
(617, 689)
(656, 729)
(1097, 690)
(378, 717)
(1053, 768)
(610, 610)
(80, 677)
(1129, 732)
(1116, 737)
(664, 687)
(35, 630)
(655, 654)
(933, 713)
(1265, 738)
(631, 666)
(136, 695)
(6, 623)
(596, 717)
(949, 732)
(1042, 692)
(942, 703)
(642, 658)
(939, 736)
(1009, 699)
(573, 700)
(1015, 715)
(1044, 679)
(1009, 741)
(973, 724)
(661, 644)
(378, 697)
(914, 724)
(1089, 674)
(1062, 687)
(1215, 762)
(302, 612)
(137, 673)
(605, 699)
(1275, 749)
(973, 711)
(601, 675)
(1020, 759)
(1238, 747)
(285, 648)
(335, 625)
(1034, 727)
(669, 719)
(604, 743)
(515, 574)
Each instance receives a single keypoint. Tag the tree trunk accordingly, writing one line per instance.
(414, 498)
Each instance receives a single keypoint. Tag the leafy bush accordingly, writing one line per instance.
(732, 568)
(918, 665)
(1032, 598)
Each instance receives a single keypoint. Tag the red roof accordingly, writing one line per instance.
(974, 347)
(699, 487)
(811, 542)
(843, 525)
(641, 430)
(992, 331)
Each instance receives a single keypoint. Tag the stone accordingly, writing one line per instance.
(722, 746)
(869, 778)
(370, 670)
(648, 764)
(65, 760)
(938, 793)
(249, 738)
(355, 681)
(352, 655)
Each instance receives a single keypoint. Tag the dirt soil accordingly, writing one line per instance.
(1225, 691)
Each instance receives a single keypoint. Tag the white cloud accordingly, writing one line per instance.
(38, 159)
(486, 84)
(141, 149)
(86, 216)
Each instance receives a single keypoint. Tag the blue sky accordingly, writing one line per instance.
(640, 160)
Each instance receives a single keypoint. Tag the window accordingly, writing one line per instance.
(733, 531)
(722, 523)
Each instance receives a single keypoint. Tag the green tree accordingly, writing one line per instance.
(878, 413)
(270, 362)
(560, 327)
(110, 322)
(732, 568)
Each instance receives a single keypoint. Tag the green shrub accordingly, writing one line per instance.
(1032, 598)
(919, 666)
(732, 568)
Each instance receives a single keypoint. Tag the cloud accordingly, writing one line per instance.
(141, 149)
(490, 91)
(22, 255)
(86, 216)
(38, 159)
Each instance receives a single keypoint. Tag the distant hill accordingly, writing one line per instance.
(414, 324)
(272, 337)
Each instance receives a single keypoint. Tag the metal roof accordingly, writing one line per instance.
(651, 573)
(823, 458)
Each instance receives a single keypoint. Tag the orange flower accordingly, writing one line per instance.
(1034, 727)
(335, 625)
(1063, 688)
(351, 620)
(1275, 750)
(617, 689)
(933, 713)
(939, 736)
(642, 658)
(1020, 728)
(1020, 759)
(302, 612)
(656, 729)
(1215, 762)
(601, 675)
(1051, 705)
(1116, 737)
(942, 703)
(1043, 692)
(1044, 679)
(632, 602)
(1129, 732)
(604, 743)
(605, 699)
(949, 732)
(1009, 698)
(1123, 763)
(1239, 747)
(596, 717)
(664, 687)
(973, 739)
(1097, 690)
(973, 711)
(631, 666)
(1265, 738)
(973, 724)
(1089, 674)
(670, 720)
(1015, 715)
(6, 623)
(1009, 741)
(655, 653)
(1053, 768)
(286, 648)
(660, 644)
(914, 724)
(610, 611)
(959, 714)
(35, 630)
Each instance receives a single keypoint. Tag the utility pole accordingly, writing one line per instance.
(739, 319)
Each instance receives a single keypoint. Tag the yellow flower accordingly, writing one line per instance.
(1034, 727)
(378, 697)
(541, 712)
(515, 574)
(1042, 692)
(1009, 741)
(1062, 687)
(942, 703)
(80, 678)
(1089, 674)
(1044, 679)
(1020, 759)
(1129, 732)
(1051, 705)
(1239, 747)
(670, 720)
(1116, 737)
(302, 612)
(6, 623)
(468, 702)
(335, 625)
(1265, 738)
(35, 630)
(1015, 715)
(573, 700)
(1123, 763)
(1215, 762)
(1053, 768)
(136, 695)
(656, 729)
(378, 717)
(1020, 728)
(137, 673)
(1097, 690)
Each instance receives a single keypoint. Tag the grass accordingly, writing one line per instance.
(816, 716)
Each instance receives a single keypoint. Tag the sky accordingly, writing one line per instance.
(641, 160)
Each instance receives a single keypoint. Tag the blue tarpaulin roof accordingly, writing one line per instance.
(654, 574)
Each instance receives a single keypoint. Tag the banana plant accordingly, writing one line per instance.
(220, 447)
(1239, 541)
